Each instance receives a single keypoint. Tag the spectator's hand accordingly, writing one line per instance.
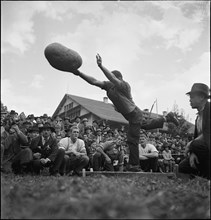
(187, 148)
(108, 160)
(16, 128)
(43, 161)
(37, 155)
(99, 60)
(193, 160)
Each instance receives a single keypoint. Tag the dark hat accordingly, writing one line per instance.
(200, 88)
(110, 131)
(45, 116)
(33, 128)
(88, 128)
(84, 119)
(95, 121)
(45, 126)
(165, 144)
(30, 116)
(26, 123)
(13, 112)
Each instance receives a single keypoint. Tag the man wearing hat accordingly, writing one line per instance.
(197, 151)
(45, 151)
(82, 126)
(44, 118)
(33, 132)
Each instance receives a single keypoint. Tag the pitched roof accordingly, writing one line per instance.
(99, 108)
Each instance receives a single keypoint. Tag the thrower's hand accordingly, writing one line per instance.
(99, 60)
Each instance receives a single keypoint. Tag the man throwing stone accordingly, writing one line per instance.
(119, 92)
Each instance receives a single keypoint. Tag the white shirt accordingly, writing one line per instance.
(148, 149)
(67, 144)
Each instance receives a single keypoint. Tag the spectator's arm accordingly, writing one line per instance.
(100, 150)
(54, 148)
(164, 156)
(151, 155)
(22, 137)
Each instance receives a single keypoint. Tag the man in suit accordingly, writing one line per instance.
(45, 151)
(197, 161)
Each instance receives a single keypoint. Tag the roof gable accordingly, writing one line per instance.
(99, 108)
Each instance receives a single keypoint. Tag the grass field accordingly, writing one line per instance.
(101, 197)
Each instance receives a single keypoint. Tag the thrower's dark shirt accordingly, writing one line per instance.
(120, 96)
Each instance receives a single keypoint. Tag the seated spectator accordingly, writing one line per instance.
(25, 127)
(59, 133)
(44, 118)
(99, 136)
(148, 154)
(13, 147)
(67, 123)
(91, 150)
(75, 158)
(197, 151)
(109, 136)
(82, 126)
(32, 119)
(110, 156)
(95, 127)
(88, 132)
(45, 152)
(33, 132)
(77, 120)
(168, 160)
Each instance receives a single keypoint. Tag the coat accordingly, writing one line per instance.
(205, 125)
(48, 150)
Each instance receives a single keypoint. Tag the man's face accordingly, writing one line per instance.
(74, 133)
(196, 100)
(34, 134)
(143, 140)
(46, 132)
(77, 120)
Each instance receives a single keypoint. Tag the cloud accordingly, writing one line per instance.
(37, 81)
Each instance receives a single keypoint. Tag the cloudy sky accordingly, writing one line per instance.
(161, 48)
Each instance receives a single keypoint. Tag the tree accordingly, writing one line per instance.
(181, 129)
(3, 108)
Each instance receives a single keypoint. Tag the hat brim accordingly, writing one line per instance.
(207, 96)
(43, 128)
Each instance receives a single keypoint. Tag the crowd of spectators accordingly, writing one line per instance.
(105, 147)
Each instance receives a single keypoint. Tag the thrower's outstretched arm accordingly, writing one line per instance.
(91, 80)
